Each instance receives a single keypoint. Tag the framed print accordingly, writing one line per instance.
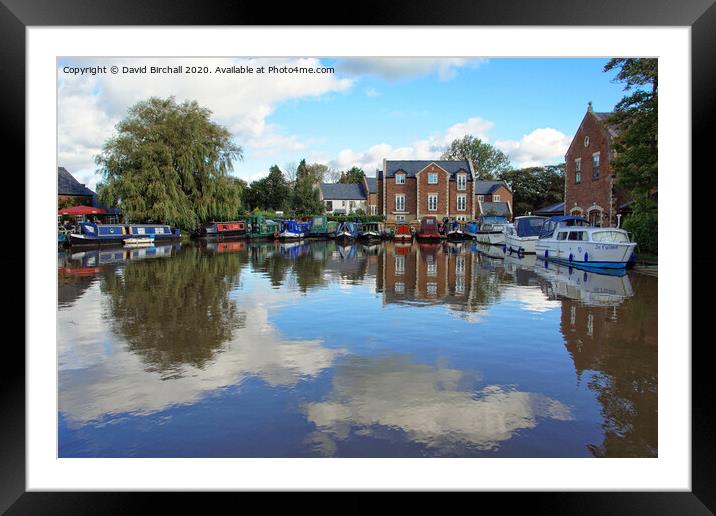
(415, 254)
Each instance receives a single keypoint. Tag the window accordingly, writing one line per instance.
(432, 289)
(343, 203)
(432, 202)
(578, 170)
(610, 236)
(399, 264)
(595, 166)
(461, 181)
(432, 268)
(562, 235)
(329, 205)
(459, 285)
(495, 198)
(432, 178)
(460, 265)
(400, 202)
(399, 288)
(399, 179)
(462, 202)
(400, 218)
(595, 218)
(480, 198)
(577, 235)
(373, 209)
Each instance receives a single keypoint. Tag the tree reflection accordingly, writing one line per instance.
(615, 349)
(175, 312)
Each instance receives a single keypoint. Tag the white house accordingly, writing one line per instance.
(341, 199)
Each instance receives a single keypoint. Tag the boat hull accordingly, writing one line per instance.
(515, 244)
(593, 255)
(489, 237)
(77, 240)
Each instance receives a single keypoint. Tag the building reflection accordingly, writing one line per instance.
(438, 273)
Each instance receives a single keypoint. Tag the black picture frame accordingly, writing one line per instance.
(700, 15)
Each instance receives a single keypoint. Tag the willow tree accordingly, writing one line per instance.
(170, 163)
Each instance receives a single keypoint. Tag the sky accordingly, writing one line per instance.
(369, 109)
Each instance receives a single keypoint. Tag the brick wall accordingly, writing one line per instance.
(425, 189)
(408, 189)
(591, 193)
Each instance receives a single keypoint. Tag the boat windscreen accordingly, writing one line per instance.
(494, 220)
(531, 226)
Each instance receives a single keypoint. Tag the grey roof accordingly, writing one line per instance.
(496, 208)
(372, 184)
(603, 116)
(351, 191)
(487, 187)
(411, 167)
(68, 185)
(552, 208)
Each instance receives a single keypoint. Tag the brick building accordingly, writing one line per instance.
(370, 184)
(410, 189)
(589, 189)
(493, 197)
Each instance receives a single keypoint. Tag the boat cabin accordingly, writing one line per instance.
(562, 221)
(530, 226)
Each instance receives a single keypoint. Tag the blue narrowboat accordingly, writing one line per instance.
(292, 229)
(347, 231)
(93, 234)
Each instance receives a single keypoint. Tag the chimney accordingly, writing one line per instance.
(589, 106)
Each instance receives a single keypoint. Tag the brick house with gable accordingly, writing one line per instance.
(411, 189)
(589, 188)
(493, 197)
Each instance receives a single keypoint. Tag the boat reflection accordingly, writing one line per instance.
(585, 286)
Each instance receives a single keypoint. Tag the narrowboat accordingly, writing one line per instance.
(292, 229)
(488, 229)
(453, 229)
(428, 229)
(320, 227)
(522, 234)
(369, 231)
(572, 240)
(93, 234)
(347, 231)
(221, 230)
(403, 233)
(261, 228)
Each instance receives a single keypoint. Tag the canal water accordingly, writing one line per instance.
(313, 349)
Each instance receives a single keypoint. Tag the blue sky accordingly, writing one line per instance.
(370, 109)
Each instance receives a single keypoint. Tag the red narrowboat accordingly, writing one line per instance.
(219, 230)
(429, 229)
(403, 232)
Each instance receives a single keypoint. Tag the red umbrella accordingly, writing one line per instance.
(81, 210)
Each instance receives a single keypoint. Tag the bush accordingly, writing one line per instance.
(642, 223)
(355, 217)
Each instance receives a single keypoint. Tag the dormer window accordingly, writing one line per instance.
(399, 179)
(462, 181)
(432, 178)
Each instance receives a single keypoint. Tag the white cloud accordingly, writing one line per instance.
(372, 92)
(392, 68)
(90, 106)
(543, 146)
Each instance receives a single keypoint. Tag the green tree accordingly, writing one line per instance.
(487, 161)
(354, 175)
(636, 118)
(306, 199)
(169, 162)
(269, 193)
(535, 187)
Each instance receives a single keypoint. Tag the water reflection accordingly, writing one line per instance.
(437, 406)
(139, 336)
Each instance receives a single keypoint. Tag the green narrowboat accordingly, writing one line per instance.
(259, 227)
(321, 227)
